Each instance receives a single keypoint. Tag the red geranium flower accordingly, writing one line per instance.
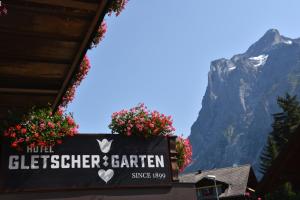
(23, 130)
(184, 153)
(18, 127)
(52, 127)
(14, 144)
(58, 141)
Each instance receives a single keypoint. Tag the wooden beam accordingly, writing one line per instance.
(5, 110)
(36, 47)
(74, 4)
(31, 69)
(43, 25)
(26, 59)
(38, 8)
(27, 91)
(82, 50)
(31, 82)
(49, 36)
(25, 100)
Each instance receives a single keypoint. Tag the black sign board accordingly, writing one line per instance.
(88, 161)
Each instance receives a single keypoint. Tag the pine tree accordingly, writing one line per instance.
(284, 192)
(269, 153)
(284, 125)
(287, 121)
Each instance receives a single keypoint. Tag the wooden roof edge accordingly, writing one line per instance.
(84, 46)
(265, 184)
(252, 179)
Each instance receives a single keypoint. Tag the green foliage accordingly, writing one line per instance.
(184, 153)
(284, 192)
(284, 125)
(269, 154)
(286, 122)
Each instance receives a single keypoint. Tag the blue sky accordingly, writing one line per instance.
(159, 52)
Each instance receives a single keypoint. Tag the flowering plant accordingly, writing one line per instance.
(140, 121)
(3, 9)
(41, 127)
(80, 75)
(99, 35)
(117, 6)
(184, 153)
(143, 122)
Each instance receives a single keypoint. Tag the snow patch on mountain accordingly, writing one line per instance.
(259, 60)
(289, 42)
(231, 68)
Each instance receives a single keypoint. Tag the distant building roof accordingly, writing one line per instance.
(237, 178)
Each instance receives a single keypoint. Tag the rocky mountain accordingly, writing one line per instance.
(240, 98)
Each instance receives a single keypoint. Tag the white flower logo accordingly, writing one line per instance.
(104, 145)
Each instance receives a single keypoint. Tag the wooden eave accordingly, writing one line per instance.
(42, 43)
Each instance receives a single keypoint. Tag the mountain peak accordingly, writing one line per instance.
(270, 38)
(272, 33)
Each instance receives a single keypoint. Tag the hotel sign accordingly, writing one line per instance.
(88, 161)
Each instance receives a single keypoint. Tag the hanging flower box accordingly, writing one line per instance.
(40, 127)
(139, 121)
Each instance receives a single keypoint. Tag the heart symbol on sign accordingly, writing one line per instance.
(106, 175)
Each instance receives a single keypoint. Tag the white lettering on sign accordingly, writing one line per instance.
(141, 175)
(64, 161)
(133, 161)
(147, 175)
(95, 161)
(83, 161)
(54, 161)
(39, 149)
(13, 162)
(45, 158)
(23, 165)
(34, 162)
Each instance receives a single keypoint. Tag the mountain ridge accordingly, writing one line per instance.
(239, 101)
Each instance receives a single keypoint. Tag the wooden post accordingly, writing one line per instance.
(173, 158)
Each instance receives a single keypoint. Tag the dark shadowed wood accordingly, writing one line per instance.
(23, 69)
(23, 58)
(40, 48)
(173, 158)
(24, 100)
(43, 25)
(27, 91)
(178, 191)
(4, 111)
(29, 83)
(39, 7)
(42, 43)
(83, 5)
